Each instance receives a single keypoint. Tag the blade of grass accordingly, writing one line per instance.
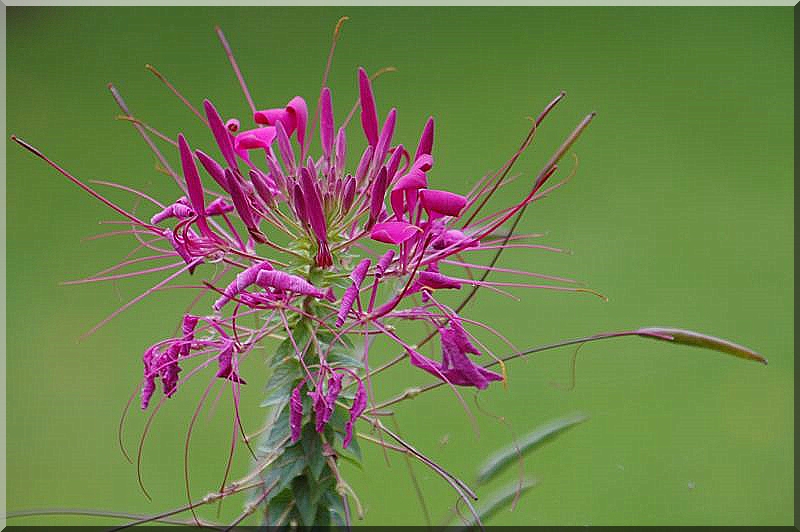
(497, 462)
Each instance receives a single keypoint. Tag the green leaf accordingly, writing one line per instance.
(302, 498)
(340, 357)
(500, 499)
(278, 509)
(501, 459)
(285, 350)
(312, 447)
(695, 339)
(279, 431)
(335, 505)
(280, 383)
(289, 465)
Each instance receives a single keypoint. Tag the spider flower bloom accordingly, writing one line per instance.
(297, 245)
(328, 216)
(285, 243)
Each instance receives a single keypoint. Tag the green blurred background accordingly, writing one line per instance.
(681, 213)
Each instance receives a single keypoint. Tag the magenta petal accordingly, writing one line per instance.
(442, 202)
(270, 117)
(425, 145)
(213, 168)
(461, 338)
(424, 363)
(376, 198)
(187, 327)
(299, 110)
(363, 163)
(394, 161)
(240, 201)
(313, 204)
(193, 184)
(285, 147)
(369, 113)
(341, 152)
(394, 232)
(264, 186)
(349, 193)
(351, 293)
(385, 139)
(299, 204)
(358, 407)
(326, 122)
(413, 180)
(225, 369)
(221, 134)
(253, 139)
(176, 210)
(168, 362)
(348, 300)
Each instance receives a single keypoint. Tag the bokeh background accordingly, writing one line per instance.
(681, 213)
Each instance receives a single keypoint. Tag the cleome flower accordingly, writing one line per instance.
(319, 251)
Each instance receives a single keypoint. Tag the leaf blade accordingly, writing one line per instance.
(497, 462)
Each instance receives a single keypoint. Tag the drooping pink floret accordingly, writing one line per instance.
(325, 403)
(286, 282)
(175, 210)
(188, 326)
(296, 414)
(357, 408)
(456, 367)
(225, 365)
(243, 281)
(348, 299)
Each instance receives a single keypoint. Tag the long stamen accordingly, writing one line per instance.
(176, 92)
(85, 187)
(239, 77)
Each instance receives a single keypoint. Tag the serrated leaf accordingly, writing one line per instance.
(498, 500)
(502, 458)
(695, 339)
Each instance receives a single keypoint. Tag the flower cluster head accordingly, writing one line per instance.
(304, 237)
